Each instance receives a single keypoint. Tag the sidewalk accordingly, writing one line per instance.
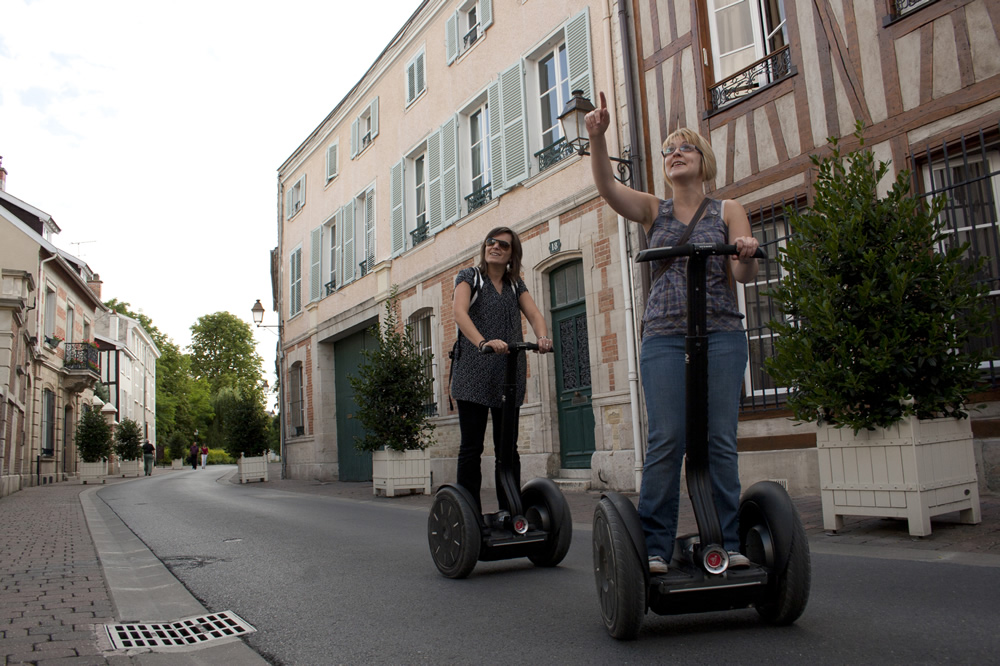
(67, 566)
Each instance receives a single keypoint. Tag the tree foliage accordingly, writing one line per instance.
(241, 423)
(391, 388)
(128, 440)
(223, 353)
(93, 437)
(879, 322)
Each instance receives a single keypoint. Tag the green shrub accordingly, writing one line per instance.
(128, 440)
(93, 437)
(177, 446)
(220, 457)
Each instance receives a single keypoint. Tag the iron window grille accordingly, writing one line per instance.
(554, 153)
(753, 78)
(480, 197)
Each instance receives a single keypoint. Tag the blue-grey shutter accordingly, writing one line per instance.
(411, 81)
(434, 219)
(316, 264)
(338, 269)
(350, 260)
(450, 208)
(374, 112)
(420, 73)
(578, 54)
(396, 216)
(515, 135)
(495, 131)
(485, 14)
(331, 162)
(354, 139)
(295, 283)
(370, 227)
(451, 38)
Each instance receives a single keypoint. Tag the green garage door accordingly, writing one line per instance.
(354, 465)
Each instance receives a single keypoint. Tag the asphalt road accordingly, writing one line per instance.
(329, 581)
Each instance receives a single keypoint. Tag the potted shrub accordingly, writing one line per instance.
(245, 427)
(177, 448)
(880, 303)
(93, 444)
(391, 390)
(128, 447)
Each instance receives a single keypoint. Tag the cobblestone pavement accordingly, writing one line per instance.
(54, 597)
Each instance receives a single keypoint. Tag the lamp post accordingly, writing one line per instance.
(574, 128)
(258, 318)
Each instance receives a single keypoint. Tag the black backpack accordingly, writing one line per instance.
(477, 283)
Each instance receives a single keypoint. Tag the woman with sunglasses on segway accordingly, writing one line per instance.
(688, 161)
(488, 302)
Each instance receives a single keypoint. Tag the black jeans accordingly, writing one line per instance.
(472, 422)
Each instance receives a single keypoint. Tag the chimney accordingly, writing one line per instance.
(95, 284)
(3, 176)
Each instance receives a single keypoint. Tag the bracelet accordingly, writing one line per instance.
(483, 342)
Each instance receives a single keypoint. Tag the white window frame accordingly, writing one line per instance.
(481, 105)
(365, 229)
(295, 198)
(332, 157)
(296, 399)
(416, 77)
(331, 250)
(70, 322)
(364, 129)
(761, 41)
(424, 341)
(316, 264)
(51, 305)
(295, 281)
(467, 27)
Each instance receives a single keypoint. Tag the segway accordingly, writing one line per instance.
(699, 578)
(537, 526)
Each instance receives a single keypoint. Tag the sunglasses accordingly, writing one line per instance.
(684, 148)
(504, 245)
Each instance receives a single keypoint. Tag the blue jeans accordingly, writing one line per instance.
(663, 384)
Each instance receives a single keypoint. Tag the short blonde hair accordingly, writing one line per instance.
(708, 165)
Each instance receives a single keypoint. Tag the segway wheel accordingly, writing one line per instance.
(546, 508)
(621, 586)
(790, 591)
(453, 534)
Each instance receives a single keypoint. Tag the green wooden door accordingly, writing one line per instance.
(354, 465)
(572, 350)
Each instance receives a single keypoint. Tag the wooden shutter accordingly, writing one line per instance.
(434, 219)
(578, 54)
(354, 138)
(370, 228)
(316, 264)
(374, 113)
(350, 261)
(451, 38)
(331, 162)
(397, 221)
(485, 14)
(515, 139)
(450, 208)
(495, 132)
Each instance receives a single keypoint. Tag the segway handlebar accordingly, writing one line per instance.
(690, 249)
(513, 347)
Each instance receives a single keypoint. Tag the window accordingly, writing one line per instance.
(749, 43)
(296, 198)
(364, 129)
(465, 27)
(420, 336)
(415, 78)
(365, 207)
(331, 253)
(331, 160)
(553, 92)
(48, 422)
(87, 337)
(316, 264)
(49, 325)
(295, 282)
(296, 401)
(70, 323)
(900, 8)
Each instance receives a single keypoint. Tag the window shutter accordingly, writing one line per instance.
(331, 162)
(316, 264)
(338, 264)
(396, 218)
(350, 263)
(578, 54)
(434, 218)
(411, 82)
(485, 14)
(295, 286)
(374, 112)
(370, 227)
(332, 256)
(420, 73)
(450, 209)
(451, 38)
(515, 144)
(354, 139)
(496, 138)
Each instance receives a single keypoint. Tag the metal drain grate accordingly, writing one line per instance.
(189, 631)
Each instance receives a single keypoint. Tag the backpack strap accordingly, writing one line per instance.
(477, 284)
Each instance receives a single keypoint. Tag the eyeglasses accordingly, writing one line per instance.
(684, 148)
(504, 245)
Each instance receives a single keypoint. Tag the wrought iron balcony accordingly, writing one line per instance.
(553, 153)
(480, 197)
(900, 8)
(82, 356)
(419, 235)
(366, 265)
(431, 409)
(757, 76)
(470, 37)
(331, 286)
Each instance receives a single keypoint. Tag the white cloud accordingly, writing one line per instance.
(152, 134)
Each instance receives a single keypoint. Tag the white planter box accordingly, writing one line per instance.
(92, 472)
(393, 471)
(177, 463)
(130, 467)
(252, 468)
(914, 470)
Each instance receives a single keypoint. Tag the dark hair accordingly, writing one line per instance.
(514, 266)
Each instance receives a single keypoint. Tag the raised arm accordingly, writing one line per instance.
(631, 204)
(744, 265)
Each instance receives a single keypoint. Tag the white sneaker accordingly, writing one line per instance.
(657, 565)
(738, 560)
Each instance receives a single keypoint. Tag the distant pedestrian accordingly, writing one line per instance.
(148, 454)
(194, 451)
(204, 456)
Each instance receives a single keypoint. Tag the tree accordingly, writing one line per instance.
(124, 308)
(223, 352)
(128, 440)
(244, 423)
(93, 437)
(179, 444)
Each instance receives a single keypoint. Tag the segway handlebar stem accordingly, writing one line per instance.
(690, 249)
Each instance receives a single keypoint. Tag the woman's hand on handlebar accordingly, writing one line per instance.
(495, 347)
(746, 247)
(544, 345)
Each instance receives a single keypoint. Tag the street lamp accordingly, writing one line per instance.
(258, 317)
(574, 128)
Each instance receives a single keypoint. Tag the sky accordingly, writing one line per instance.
(152, 133)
